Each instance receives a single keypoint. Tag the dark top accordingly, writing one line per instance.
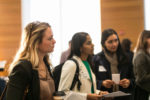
(130, 54)
(21, 77)
(2, 85)
(125, 70)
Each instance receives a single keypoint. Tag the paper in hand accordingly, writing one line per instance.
(116, 78)
(116, 94)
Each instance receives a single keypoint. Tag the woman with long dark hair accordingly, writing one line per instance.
(82, 51)
(112, 60)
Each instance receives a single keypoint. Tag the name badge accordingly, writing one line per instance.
(102, 69)
(84, 75)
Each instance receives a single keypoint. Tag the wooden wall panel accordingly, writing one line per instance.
(10, 28)
(125, 16)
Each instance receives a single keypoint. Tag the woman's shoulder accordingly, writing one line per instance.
(22, 67)
(98, 56)
(70, 64)
(139, 57)
(24, 64)
(140, 54)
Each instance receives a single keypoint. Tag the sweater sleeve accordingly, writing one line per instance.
(67, 75)
(75, 96)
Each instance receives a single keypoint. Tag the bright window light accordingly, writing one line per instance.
(147, 14)
(66, 18)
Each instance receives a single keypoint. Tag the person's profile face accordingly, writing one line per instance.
(112, 43)
(88, 47)
(48, 42)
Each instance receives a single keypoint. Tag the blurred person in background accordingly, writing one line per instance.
(141, 62)
(126, 46)
(65, 54)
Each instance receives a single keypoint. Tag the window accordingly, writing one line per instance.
(147, 14)
(66, 18)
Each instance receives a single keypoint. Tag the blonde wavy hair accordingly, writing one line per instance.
(31, 37)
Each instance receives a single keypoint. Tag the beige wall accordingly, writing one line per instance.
(10, 28)
(125, 16)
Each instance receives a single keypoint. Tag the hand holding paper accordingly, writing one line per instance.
(103, 92)
(107, 83)
(124, 83)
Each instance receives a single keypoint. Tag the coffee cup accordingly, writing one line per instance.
(59, 95)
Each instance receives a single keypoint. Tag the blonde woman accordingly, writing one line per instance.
(30, 77)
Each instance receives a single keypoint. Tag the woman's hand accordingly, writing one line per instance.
(105, 98)
(103, 93)
(98, 97)
(107, 83)
(124, 83)
(94, 97)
